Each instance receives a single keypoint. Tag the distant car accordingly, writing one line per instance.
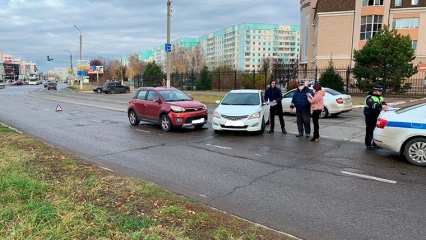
(18, 83)
(52, 86)
(45, 83)
(404, 131)
(241, 110)
(335, 102)
(169, 107)
(112, 87)
(2, 85)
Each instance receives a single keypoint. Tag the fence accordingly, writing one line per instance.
(228, 80)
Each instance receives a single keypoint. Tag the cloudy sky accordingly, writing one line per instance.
(33, 29)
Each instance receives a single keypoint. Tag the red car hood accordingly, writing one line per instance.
(187, 104)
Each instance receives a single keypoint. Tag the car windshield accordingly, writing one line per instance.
(411, 106)
(333, 92)
(249, 99)
(174, 96)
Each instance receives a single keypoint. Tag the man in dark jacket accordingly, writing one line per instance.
(303, 109)
(274, 96)
(374, 103)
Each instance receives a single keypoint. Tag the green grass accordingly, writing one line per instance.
(46, 194)
(206, 98)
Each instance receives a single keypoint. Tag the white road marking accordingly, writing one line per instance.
(369, 177)
(220, 147)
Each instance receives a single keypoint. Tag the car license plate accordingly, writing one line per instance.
(234, 123)
(198, 121)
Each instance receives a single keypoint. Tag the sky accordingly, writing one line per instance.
(34, 29)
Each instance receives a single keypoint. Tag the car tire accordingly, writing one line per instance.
(415, 151)
(165, 123)
(217, 131)
(133, 118)
(199, 126)
(325, 113)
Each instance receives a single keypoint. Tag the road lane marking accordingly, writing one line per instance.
(144, 131)
(220, 147)
(369, 177)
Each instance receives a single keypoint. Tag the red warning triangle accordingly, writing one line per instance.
(59, 108)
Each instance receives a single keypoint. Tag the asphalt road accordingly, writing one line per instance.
(302, 188)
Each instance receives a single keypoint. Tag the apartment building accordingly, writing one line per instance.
(333, 29)
(242, 47)
(14, 68)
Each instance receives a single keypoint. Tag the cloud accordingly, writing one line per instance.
(33, 29)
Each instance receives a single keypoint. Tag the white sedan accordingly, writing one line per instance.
(334, 102)
(404, 131)
(241, 110)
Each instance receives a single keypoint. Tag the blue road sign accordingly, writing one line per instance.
(168, 47)
(81, 73)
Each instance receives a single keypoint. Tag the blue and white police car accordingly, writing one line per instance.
(404, 131)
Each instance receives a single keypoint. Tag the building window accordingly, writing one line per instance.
(372, 2)
(370, 25)
(402, 23)
(414, 44)
(414, 2)
(398, 3)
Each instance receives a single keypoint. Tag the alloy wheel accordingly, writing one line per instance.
(417, 152)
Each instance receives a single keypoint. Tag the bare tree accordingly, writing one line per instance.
(135, 67)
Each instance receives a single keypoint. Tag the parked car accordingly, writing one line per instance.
(335, 102)
(168, 107)
(52, 86)
(241, 110)
(18, 83)
(112, 87)
(2, 85)
(404, 131)
(45, 83)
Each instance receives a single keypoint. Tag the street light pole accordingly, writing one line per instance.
(81, 52)
(168, 59)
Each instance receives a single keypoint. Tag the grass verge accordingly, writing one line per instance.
(46, 194)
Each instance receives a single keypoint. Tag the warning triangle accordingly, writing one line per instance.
(59, 108)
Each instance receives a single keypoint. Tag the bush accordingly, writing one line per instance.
(331, 79)
(205, 82)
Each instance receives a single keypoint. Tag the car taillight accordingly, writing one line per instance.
(339, 101)
(382, 123)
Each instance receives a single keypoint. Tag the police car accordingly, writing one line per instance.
(404, 131)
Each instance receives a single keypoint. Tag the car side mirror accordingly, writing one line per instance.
(217, 102)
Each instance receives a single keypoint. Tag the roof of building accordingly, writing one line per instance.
(335, 5)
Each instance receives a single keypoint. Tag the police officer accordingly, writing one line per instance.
(374, 103)
(274, 96)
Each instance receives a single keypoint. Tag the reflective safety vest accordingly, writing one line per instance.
(377, 100)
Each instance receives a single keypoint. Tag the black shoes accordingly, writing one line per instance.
(284, 132)
(299, 135)
(270, 132)
(314, 140)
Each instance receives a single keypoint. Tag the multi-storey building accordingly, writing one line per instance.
(244, 47)
(333, 29)
(15, 68)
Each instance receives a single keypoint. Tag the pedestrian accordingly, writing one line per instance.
(374, 103)
(273, 95)
(317, 106)
(303, 109)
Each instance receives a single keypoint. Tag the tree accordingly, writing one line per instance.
(385, 59)
(152, 76)
(205, 82)
(331, 79)
(135, 67)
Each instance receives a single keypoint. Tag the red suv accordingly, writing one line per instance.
(168, 107)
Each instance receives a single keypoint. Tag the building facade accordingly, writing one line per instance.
(242, 47)
(13, 68)
(333, 29)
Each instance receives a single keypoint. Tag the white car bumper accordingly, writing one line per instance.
(383, 139)
(339, 108)
(249, 125)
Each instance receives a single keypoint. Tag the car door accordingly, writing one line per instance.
(286, 101)
(140, 101)
(152, 106)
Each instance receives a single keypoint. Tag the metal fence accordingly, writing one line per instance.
(286, 77)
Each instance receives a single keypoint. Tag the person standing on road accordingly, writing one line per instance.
(303, 109)
(374, 103)
(317, 106)
(273, 95)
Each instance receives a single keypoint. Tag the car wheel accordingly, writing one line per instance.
(133, 118)
(166, 124)
(324, 113)
(415, 151)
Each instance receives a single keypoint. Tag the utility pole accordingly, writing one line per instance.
(168, 58)
(121, 71)
(81, 52)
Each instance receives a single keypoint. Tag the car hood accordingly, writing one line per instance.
(187, 104)
(238, 110)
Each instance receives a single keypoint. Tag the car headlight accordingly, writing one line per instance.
(216, 114)
(255, 116)
(204, 107)
(177, 109)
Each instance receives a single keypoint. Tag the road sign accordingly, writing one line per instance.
(81, 73)
(96, 70)
(168, 47)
